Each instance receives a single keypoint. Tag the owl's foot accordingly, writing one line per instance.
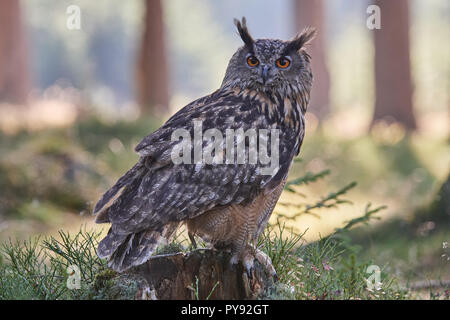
(248, 256)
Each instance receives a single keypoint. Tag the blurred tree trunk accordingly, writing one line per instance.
(311, 13)
(14, 66)
(152, 73)
(393, 97)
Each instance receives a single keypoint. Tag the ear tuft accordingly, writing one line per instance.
(243, 32)
(301, 40)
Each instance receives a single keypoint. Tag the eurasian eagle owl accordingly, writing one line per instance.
(266, 87)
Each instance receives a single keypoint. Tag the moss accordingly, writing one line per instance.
(110, 285)
(102, 278)
(172, 247)
(278, 291)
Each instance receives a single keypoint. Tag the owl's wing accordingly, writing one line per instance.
(160, 191)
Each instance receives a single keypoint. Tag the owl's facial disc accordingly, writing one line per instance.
(269, 65)
(267, 69)
(263, 72)
(271, 71)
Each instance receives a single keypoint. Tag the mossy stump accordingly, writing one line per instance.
(200, 274)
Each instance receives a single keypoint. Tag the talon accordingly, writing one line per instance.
(265, 260)
(248, 266)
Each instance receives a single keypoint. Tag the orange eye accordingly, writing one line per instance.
(283, 63)
(252, 61)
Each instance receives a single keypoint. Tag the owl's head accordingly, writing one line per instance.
(269, 64)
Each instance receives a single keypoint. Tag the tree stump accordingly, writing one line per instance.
(200, 274)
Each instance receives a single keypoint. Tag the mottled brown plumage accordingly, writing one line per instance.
(226, 204)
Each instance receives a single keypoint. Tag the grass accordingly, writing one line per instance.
(196, 288)
(40, 269)
(416, 249)
(86, 158)
(330, 268)
(326, 269)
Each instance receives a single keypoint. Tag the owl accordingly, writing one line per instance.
(226, 204)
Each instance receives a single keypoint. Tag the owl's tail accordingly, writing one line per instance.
(126, 251)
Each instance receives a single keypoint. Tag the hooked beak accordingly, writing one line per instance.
(265, 73)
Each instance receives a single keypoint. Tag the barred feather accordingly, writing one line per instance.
(126, 251)
(123, 181)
